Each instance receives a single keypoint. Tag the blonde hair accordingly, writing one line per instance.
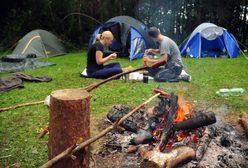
(105, 34)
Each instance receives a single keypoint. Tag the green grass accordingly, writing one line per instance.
(19, 127)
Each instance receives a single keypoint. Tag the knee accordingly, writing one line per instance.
(158, 78)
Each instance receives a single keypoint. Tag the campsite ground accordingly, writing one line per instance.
(19, 127)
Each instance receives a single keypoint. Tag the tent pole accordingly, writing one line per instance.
(29, 42)
(43, 46)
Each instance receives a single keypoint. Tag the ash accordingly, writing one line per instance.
(228, 147)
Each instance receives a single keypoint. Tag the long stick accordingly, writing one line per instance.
(90, 87)
(95, 138)
(96, 85)
(87, 88)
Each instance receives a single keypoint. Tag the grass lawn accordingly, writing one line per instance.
(19, 127)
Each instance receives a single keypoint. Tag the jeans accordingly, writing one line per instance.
(108, 71)
(168, 74)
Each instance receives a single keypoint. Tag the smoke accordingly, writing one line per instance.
(163, 14)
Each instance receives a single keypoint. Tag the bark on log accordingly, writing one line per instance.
(69, 121)
(169, 159)
(244, 122)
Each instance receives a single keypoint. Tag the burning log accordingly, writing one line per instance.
(204, 119)
(170, 116)
(170, 159)
(244, 122)
(168, 130)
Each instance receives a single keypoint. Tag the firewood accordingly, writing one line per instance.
(185, 154)
(204, 142)
(170, 159)
(75, 148)
(244, 122)
(204, 119)
(168, 130)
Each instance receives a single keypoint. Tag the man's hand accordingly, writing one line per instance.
(146, 58)
(148, 51)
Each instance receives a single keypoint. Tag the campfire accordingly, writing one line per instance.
(182, 134)
(174, 134)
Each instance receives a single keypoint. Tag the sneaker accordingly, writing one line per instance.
(186, 78)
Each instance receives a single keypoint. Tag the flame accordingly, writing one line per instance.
(179, 115)
(185, 105)
(184, 110)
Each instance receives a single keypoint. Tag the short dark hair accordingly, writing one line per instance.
(153, 32)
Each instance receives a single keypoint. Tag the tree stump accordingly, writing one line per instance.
(69, 122)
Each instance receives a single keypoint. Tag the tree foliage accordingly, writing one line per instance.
(73, 21)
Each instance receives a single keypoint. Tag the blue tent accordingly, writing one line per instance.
(209, 40)
(130, 37)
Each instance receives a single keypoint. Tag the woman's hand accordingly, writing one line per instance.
(112, 56)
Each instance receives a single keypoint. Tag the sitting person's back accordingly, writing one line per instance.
(92, 65)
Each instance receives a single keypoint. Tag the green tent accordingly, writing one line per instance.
(41, 43)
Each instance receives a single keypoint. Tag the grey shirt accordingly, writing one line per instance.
(169, 47)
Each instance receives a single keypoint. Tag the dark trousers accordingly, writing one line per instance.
(108, 71)
(168, 74)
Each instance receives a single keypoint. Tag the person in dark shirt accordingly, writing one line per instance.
(169, 52)
(96, 59)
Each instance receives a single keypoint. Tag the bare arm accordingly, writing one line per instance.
(100, 60)
(151, 50)
(155, 51)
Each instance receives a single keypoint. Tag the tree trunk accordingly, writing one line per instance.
(244, 26)
(69, 122)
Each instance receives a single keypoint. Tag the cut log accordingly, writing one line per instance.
(170, 159)
(204, 119)
(244, 122)
(69, 121)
